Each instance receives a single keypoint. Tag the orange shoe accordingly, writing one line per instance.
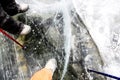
(51, 64)
(47, 72)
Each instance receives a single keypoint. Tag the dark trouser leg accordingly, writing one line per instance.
(7, 23)
(10, 6)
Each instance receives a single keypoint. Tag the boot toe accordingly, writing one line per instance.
(26, 30)
(23, 7)
(51, 64)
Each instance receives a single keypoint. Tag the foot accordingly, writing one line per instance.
(26, 29)
(23, 8)
(51, 64)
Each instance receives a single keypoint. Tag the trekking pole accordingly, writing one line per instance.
(10, 37)
(104, 74)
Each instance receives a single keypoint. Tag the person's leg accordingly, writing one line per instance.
(12, 8)
(8, 24)
(47, 72)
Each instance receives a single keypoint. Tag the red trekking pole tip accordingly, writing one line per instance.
(10, 37)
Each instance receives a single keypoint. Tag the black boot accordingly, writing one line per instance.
(8, 24)
(12, 8)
